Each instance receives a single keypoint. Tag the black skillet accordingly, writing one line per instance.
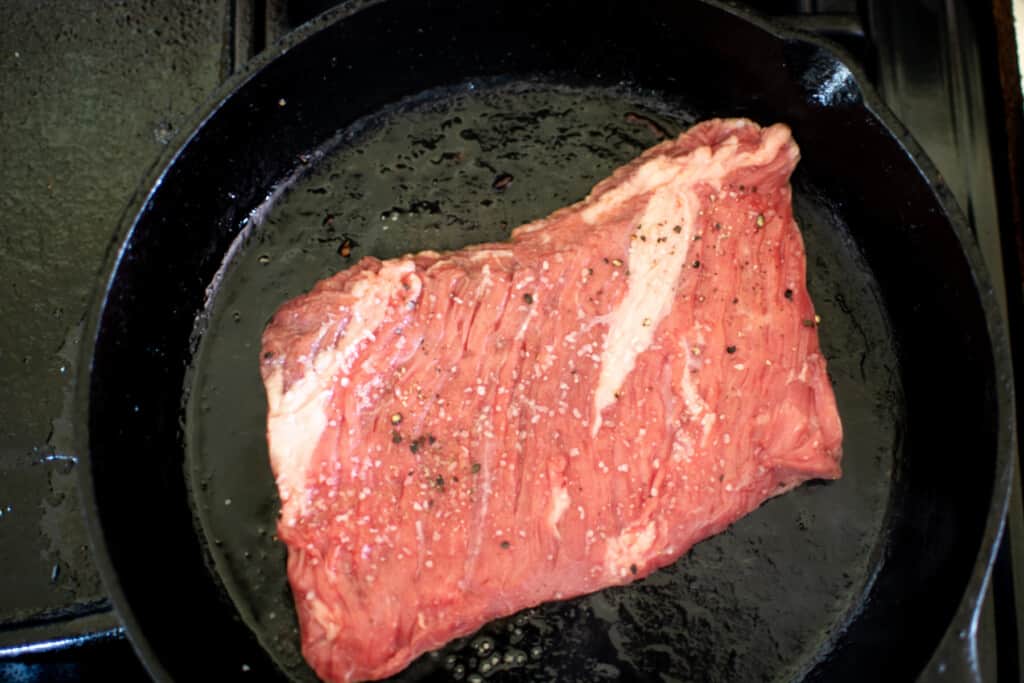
(400, 125)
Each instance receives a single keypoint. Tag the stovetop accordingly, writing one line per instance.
(93, 92)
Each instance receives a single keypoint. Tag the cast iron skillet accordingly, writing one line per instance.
(399, 125)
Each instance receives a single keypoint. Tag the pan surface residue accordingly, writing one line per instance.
(758, 602)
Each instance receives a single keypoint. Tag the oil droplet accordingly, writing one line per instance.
(164, 132)
(483, 646)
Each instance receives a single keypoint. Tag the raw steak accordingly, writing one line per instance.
(459, 436)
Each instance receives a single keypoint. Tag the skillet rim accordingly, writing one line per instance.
(956, 651)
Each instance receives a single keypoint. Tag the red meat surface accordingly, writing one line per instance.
(458, 436)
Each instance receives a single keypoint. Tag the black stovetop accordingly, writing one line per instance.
(91, 95)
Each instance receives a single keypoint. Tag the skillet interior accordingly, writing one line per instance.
(421, 175)
(891, 545)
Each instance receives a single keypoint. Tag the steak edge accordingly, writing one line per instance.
(459, 436)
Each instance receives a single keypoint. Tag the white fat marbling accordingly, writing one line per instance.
(655, 267)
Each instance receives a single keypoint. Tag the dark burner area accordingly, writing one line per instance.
(95, 93)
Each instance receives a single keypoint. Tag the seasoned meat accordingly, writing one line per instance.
(458, 436)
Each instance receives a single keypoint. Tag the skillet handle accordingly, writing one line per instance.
(959, 657)
(956, 658)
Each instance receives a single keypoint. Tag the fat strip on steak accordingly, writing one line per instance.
(458, 436)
